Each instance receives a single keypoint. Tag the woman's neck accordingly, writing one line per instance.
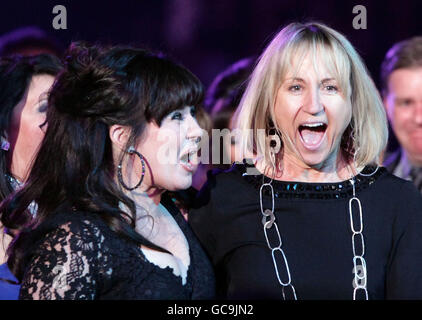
(290, 169)
(151, 193)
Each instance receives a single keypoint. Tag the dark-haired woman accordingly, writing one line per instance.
(121, 131)
(24, 84)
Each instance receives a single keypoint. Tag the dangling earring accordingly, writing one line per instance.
(356, 167)
(274, 143)
(274, 138)
(131, 150)
(351, 151)
(348, 142)
(5, 145)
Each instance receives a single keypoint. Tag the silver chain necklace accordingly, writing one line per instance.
(359, 263)
(268, 225)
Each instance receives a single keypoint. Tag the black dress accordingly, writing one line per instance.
(314, 223)
(81, 258)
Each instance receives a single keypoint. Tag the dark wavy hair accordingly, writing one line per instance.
(15, 76)
(74, 169)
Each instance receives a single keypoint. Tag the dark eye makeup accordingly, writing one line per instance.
(179, 115)
(43, 107)
(193, 111)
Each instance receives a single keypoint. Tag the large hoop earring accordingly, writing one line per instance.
(5, 145)
(131, 150)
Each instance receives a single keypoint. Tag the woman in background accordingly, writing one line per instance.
(24, 86)
(221, 101)
(121, 132)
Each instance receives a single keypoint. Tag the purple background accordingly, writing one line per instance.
(207, 36)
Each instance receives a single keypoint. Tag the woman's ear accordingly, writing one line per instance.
(119, 135)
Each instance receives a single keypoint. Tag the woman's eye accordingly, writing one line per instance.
(193, 111)
(331, 88)
(177, 116)
(295, 88)
(43, 107)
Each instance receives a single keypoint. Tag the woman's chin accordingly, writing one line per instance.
(315, 160)
(318, 157)
(180, 183)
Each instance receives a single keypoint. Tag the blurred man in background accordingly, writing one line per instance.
(401, 81)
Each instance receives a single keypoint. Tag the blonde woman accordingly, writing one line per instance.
(312, 216)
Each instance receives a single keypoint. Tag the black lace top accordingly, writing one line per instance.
(314, 224)
(81, 258)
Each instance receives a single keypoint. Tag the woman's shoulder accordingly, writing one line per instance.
(221, 184)
(76, 220)
(218, 177)
(70, 227)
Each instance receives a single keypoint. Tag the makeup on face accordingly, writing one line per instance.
(171, 149)
(27, 127)
(312, 113)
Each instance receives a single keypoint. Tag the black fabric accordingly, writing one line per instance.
(314, 224)
(392, 160)
(81, 258)
(416, 177)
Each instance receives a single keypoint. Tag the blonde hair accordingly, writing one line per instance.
(256, 109)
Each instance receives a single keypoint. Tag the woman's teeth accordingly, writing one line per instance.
(189, 157)
(312, 133)
(313, 125)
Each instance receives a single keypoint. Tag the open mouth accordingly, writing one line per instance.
(312, 134)
(190, 160)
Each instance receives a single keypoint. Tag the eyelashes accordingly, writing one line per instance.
(180, 115)
(42, 124)
(297, 88)
(43, 107)
(331, 88)
(177, 115)
(193, 111)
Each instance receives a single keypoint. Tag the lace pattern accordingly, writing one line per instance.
(81, 258)
(66, 263)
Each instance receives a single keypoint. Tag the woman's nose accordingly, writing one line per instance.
(312, 103)
(195, 132)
